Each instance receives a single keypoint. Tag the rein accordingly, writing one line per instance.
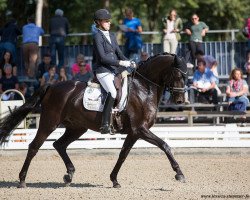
(147, 79)
(169, 88)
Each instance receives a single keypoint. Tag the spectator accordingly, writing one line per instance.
(211, 64)
(58, 28)
(76, 66)
(204, 84)
(7, 59)
(144, 56)
(83, 75)
(31, 34)
(50, 77)
(43, 66)
(9, 34)
(237, 91)
(8, 81)
(196, 31)
(247, 26)
(23, 88)
(62, 75)
(93, 29)
(133, 43)
(247, 67)
(171, 32)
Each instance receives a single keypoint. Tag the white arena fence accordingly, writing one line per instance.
(204, 136)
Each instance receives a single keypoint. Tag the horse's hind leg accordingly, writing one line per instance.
(41, 136)
(61, 145)
(148, 136)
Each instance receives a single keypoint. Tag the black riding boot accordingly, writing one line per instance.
(105, 128)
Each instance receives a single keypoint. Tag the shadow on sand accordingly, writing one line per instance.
(53, 185)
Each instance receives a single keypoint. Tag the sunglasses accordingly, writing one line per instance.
(194, 18)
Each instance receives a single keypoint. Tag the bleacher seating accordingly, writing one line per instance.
(200, 112)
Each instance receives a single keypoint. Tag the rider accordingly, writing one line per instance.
(108, 60)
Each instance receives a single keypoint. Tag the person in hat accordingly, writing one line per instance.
(108, 61)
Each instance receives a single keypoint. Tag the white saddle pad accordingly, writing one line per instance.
(92, 98)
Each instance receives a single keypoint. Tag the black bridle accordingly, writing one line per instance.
(168, 86)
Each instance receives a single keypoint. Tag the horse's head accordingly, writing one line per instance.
(165, 70)
(175, 84)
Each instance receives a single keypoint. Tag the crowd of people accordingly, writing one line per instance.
(204, 86)
(48, 71)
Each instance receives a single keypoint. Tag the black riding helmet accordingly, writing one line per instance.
(102, 14)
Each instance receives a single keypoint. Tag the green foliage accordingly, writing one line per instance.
(218, 14)
(3, 4)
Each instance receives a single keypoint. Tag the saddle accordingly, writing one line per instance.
(96, 101)
(118, 87)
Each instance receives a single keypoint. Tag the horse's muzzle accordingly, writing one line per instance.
(179, 99)
(179, 102)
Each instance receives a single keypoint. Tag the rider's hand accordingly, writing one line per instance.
(125, 63)
(132, 64)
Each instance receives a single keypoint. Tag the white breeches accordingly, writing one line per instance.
(107, 82)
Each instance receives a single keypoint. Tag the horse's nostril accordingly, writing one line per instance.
(179, 102)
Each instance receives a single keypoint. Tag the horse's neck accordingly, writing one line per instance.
(148, 88)
(152, 72)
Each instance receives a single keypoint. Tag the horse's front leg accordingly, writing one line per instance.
(127, 146)
(148, 136)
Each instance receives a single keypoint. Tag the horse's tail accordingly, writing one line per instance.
(12, 120)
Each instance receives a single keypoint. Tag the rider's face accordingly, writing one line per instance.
(105, 24)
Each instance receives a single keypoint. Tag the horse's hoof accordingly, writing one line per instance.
(22, 185)
(116, 185)
(67, 180)
(180, 178)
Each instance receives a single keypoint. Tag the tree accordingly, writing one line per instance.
(218, 14)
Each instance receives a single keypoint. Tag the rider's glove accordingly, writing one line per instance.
(132, 64)
(125, 63)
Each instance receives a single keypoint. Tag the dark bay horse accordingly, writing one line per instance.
(62, 104)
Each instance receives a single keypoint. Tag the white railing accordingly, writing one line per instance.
(213, 136)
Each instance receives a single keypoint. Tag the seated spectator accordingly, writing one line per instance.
(76, 66)
(237, 91)
(204, 83)
(211, 63)
(83, 75)
(50, 77)
(8, 81)
(62, 75)
(247, 67)
(7, 59)
(23, 88)
(43, 66)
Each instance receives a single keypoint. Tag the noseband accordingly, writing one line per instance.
(170, 87)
